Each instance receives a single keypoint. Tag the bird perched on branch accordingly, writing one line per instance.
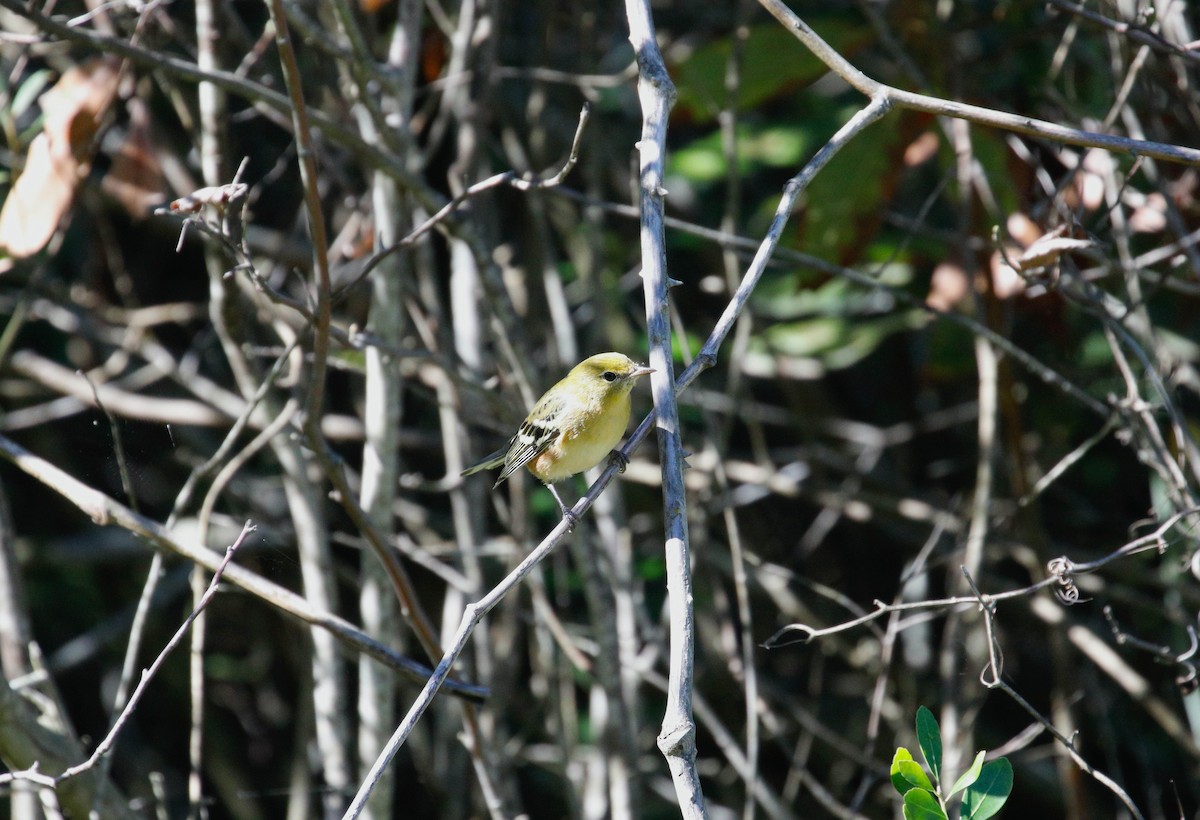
(573, 426)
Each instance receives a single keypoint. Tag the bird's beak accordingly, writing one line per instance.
(641, 371)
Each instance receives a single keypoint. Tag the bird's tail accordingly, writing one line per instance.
(494, 460)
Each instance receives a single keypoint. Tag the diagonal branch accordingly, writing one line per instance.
(1028, 126)
(475, 612)
(106, 511)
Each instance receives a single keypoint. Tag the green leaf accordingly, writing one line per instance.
(865, 335)
(969, 776)
(354, 360)
(929, 736)
(902, 785)
(988, 793)
(839, 341)
(773, 65)
(921, 805)
(704, 160)
(911, 772)
(843, 201)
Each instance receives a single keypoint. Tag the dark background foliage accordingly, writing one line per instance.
(836, 446)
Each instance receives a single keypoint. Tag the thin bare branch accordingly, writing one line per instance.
(1028, 126)
(107, 512)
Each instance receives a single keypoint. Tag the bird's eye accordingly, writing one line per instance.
(608, 376)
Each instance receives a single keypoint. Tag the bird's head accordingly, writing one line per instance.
(610, 371)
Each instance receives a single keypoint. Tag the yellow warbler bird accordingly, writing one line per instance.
(573, 426)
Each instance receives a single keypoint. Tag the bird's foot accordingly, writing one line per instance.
(620, 459)
(570, 518)
(567, 515)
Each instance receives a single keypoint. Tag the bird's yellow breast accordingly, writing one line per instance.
(583, 445)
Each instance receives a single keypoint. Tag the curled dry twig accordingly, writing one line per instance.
(1061, 575)
(992, 678)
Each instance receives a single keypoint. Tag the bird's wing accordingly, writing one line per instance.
(539, 430)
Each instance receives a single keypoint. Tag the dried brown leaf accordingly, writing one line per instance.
(1047, 250)
(59, 158)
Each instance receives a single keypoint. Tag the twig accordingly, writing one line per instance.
(809, 633)
(1064, 567)
(232, 83)
(306, 155)
(1186, 679)
(987, 367)
(758, 790)
(972, 113)
(520, 182)
(67, 382)
(991, 678)
(330, 694)
(728, 118)
(110, 739)
(152, 576)
(383, 387)
(129, 404)
(184, 497)
(1065, 463)
(1061, 569)
(789, 256)
(107, 512)
(1136, 33)
(474, 612)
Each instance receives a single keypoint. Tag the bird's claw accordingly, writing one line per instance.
(571, 518)
(620, 459)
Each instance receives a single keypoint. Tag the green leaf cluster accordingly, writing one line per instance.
(985, 786)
